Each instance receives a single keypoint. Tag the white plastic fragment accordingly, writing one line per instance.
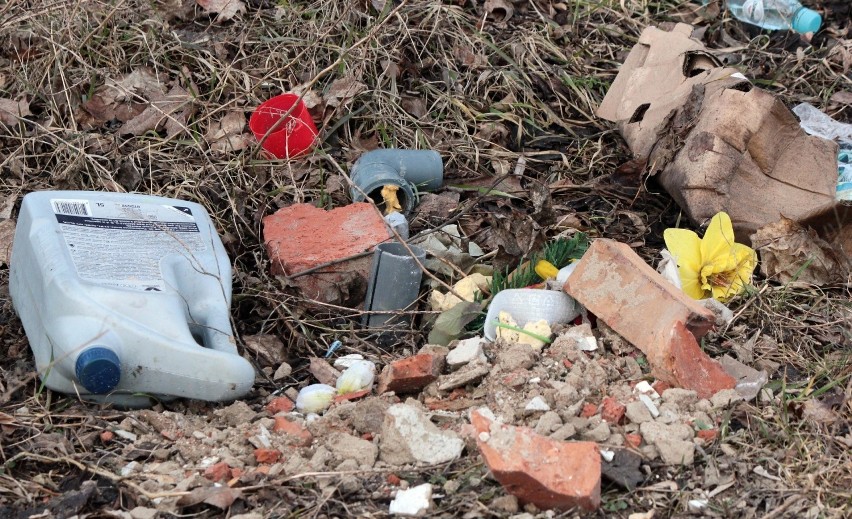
(607, 455)
(652, 408)
(643, 387)
(315, 398)
(697, 505)
(358, 376)
(347, 360)
(412, 502)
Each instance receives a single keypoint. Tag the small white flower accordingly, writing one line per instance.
(315, 398)
(359, 375)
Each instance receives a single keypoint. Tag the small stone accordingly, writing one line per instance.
(697, 506)
(141, 512)
(563, 433)
(644, 388)
(675, 452)
(516, 356)
(683, 398)
(599, 433)
(408, 436)
(465, 352)
(507, 504)
(725, 398)
(548, 423)
(284, 370)
(637, 412)
(469, 374)
(653, 431)
(536, 405)
(412, 502)
(345, 446)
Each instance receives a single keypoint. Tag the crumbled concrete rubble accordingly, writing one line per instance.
(573, 397)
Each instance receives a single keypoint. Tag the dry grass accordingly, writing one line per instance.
(448, 76)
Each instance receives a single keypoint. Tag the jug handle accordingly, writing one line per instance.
(217, 334)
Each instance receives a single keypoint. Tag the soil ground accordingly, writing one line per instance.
(506, 92)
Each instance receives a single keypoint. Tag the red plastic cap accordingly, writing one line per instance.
(290, 137)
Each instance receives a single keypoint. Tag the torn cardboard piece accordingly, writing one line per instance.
(717, 142)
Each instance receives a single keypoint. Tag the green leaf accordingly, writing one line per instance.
(450, 324)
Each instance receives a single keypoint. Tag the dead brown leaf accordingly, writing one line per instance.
(121, 100)
(790, 252)
(815, 411)
(227, 134)
(268, 347)
(415, 106)
(343, 90)
(225, 9)
(12, 111)
(220, 497)
(843, 97)
(169, 111)
(7, 235)
(500, 10)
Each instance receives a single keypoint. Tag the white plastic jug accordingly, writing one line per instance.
(126, 297)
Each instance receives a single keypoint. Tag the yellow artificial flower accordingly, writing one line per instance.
(714, 266)
(546, 269)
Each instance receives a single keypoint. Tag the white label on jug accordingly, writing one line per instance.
(121, 244)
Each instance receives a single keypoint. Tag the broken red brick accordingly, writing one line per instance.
(633, 440)
(367, 436)
(614, 283)
(296, 432)
(394, 480)
(411, 374)
(688, 367)
(107, 436)
(612, 410)
(567, 363)
(267, 455)
(355, 395)
(218, 472)
(538, 470)
(708, 435)
(301, 236)
(588, 410)
(280, 404)
(660, 386)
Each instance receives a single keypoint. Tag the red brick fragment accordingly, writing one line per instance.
(633, 440)
(614, 283)
(660, 386)
(267, 455)
(708, 435)
(588, 410)
(612, 410)
(567, 363)
(538, 470)
(296, 433)
(107, 436)
(355, 395)
(687, 366)
(280, 404)
(394, 480)
(218, 472)
(301, 236)
(411, 374)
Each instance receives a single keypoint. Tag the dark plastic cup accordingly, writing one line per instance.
(291, 137)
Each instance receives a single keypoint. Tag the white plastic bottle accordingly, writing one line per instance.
(126, 297)
(775, 14)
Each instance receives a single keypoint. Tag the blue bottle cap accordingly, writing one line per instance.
(806, 20)
(98, 369)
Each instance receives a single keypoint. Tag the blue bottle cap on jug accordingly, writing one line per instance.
(806, 20)
(98, 369)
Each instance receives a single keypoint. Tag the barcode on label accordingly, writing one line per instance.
(72, 207)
